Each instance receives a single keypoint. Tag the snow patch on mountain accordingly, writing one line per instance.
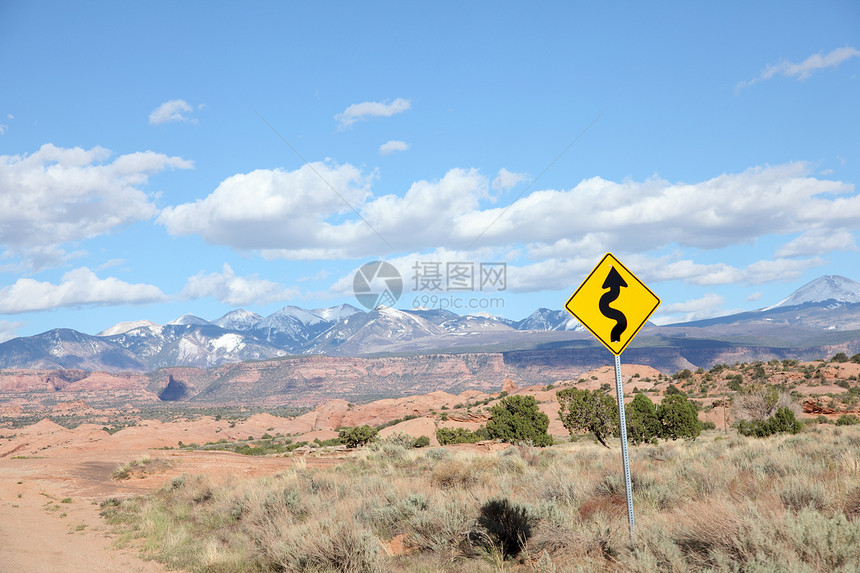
(228, 343)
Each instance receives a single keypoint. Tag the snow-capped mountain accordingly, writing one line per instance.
(829, 303)
(336, 313)
(546, 319)
(121, 327)
(188, 319)
(239, 319)
(375, 329)
(290, 328)
(822, 289)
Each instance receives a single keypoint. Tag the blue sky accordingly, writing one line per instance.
(160, 158)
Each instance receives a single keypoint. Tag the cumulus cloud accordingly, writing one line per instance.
(368, 109)
(276, 209)
(596, 215)
(391, 146)
(230, 289)
(818, 242)
(507, 179)
(3, 128)
(804, 69)
(57, 195)
(78, 287)
(294, 215)
(173, 110)
(726, 210)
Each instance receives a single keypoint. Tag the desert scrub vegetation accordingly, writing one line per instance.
(140, 467)
(736, 503)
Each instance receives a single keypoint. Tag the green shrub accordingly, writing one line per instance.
(840, 357)
(678, 418)
(447, 436)
(847, 420)
(593, 412)
(673, 390)
(518, 419)
(782, 421)
(421, 442)
(736, 382)
(643, 425)
(357, 436)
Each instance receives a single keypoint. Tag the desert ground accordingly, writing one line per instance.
(54, 480)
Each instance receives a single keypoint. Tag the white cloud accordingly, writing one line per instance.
(708, 306)
(276, 209)
(391, 146)
(292, 215)
(3, 129)
(755, 296)
(565, 273)
(173, 110)
(58, 195)
(414, 267)
(806, 68)
(818, 242)
(78, 287)
(110, 263)
(9, 330)
(727, 210)
(230, 289)
(759, 272)
(508, 179)
(368, 109)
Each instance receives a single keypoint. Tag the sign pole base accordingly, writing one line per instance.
(623, 423)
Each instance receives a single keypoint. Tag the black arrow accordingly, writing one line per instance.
(613, 282)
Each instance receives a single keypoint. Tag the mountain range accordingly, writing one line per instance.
(820, 316)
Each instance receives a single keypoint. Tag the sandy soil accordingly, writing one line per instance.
(49, 512)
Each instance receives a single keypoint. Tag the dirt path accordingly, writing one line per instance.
(49, 519)
(49, 507)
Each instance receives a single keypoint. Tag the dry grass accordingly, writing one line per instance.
(140, 467)
(716, 504)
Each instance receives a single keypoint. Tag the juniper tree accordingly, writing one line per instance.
(593, 412)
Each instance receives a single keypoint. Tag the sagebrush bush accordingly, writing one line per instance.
(507, 524)
(737, 504)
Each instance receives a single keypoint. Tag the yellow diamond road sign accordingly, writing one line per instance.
(613, 304)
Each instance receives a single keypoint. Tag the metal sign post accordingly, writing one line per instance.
(614, 305)
(622, 419)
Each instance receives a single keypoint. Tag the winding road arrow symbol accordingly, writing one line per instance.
(613, 282)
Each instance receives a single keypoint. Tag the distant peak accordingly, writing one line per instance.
(189, 319)
(123, 327)
(824, 288)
